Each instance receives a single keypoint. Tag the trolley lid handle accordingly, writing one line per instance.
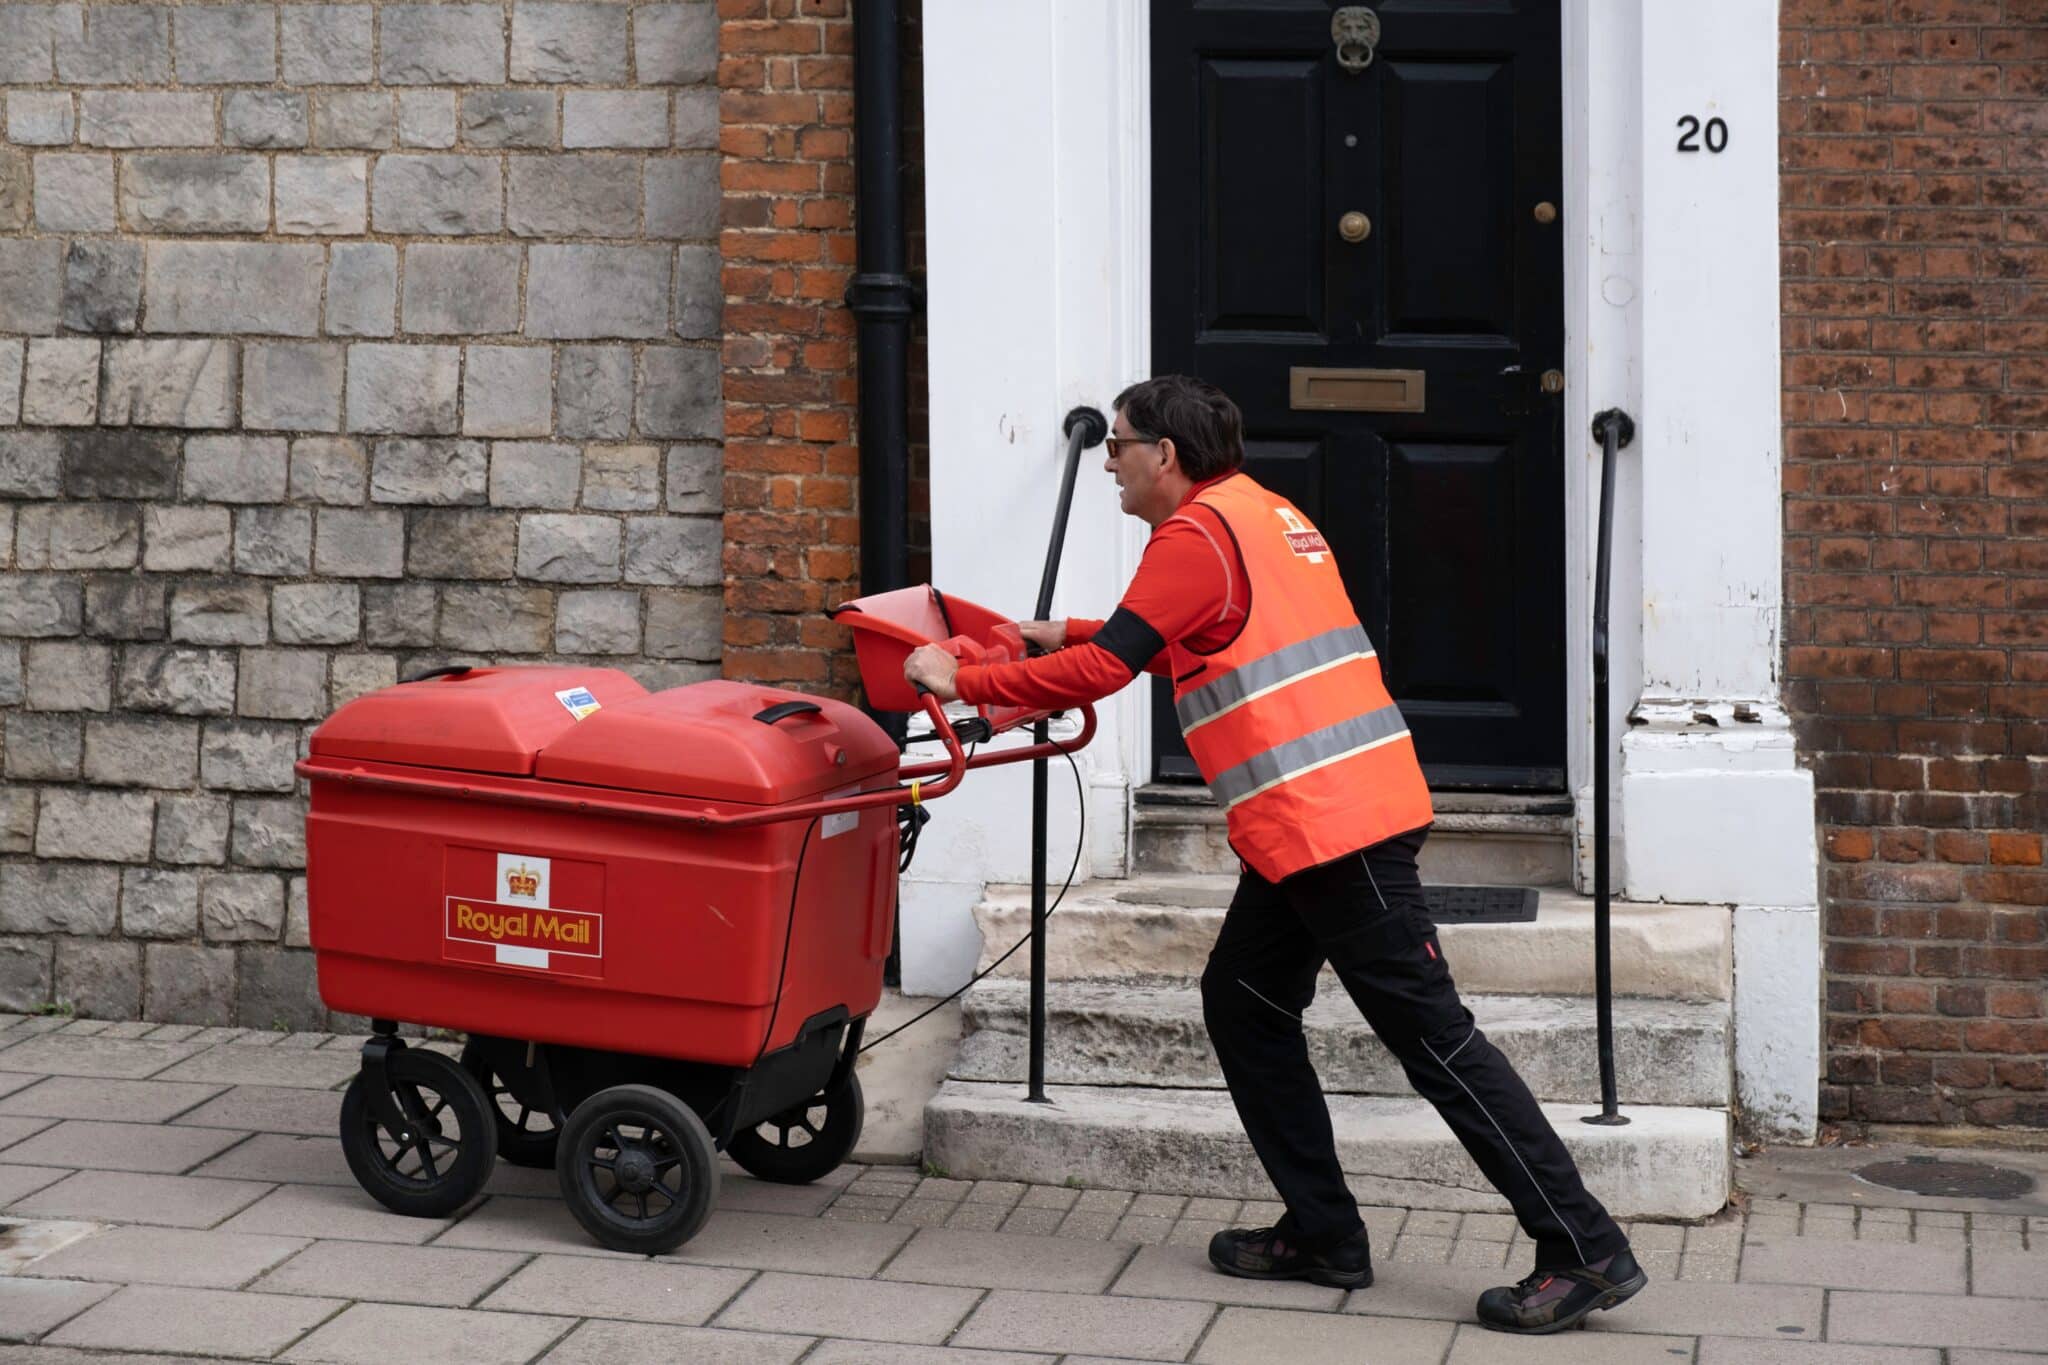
(784, 710)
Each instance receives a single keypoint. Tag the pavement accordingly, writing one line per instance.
(170, 1192)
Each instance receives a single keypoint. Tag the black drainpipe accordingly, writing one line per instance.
(882, 299)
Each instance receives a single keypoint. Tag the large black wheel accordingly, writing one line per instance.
(441, 1155)
(638, 1169)
(806, 1141)
(526, 1136)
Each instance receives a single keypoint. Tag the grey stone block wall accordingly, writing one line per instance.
(338, 341)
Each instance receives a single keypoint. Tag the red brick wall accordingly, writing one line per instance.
(1914, 152)
(792, 522)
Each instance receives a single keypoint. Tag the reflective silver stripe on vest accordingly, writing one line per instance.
(1316, 749)
(1263, 674)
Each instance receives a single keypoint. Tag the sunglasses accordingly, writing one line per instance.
(1117, 445)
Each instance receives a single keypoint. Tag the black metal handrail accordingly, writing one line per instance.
(1084, 427)
(1613, 429)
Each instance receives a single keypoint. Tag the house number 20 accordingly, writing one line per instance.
(1689, 139)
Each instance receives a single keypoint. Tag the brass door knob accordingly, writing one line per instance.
(1354, 226)
(1546, 212)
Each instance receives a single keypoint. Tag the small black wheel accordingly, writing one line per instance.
(806, 1141)
(526, 1136)
(441, 1159)
(638, 1169)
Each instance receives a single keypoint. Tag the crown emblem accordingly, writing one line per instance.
(522, 881)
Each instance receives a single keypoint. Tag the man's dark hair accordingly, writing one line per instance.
(1205, 427)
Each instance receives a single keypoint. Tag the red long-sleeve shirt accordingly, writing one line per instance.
(1189, 589)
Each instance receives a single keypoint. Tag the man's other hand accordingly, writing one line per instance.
(1047, 635)
(934, 667)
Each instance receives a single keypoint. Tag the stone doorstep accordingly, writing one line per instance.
(1666, 1163)
(1099, 1033)
(1476, 839)
(1161, 927)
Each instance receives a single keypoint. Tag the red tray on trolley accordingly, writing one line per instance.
(887, 626)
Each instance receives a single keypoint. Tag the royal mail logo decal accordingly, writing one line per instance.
(1303, 539)
(509, 935)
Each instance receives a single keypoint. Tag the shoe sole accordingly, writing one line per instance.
(1614, 1297)
(1333, 1279)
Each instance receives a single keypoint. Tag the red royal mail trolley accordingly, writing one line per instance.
(660, 918)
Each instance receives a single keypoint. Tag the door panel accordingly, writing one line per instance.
(1448, 522)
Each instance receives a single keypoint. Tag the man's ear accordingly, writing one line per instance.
(1170, 454)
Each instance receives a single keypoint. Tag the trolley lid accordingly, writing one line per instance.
(723, 741)
(485, 720)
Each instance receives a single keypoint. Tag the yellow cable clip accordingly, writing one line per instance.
(915, 783)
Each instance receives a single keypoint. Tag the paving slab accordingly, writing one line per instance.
(439, 1277)
(179, 1201)
(329, 1211)
(533, 1182)
(283, 1158)
(29, 1308)
(1406, 1289)
(638, 1291)
(72, 1355)
(804, 1246)
(529, 1225)
(1184, 1272)
(2011, 1274)
(1992, 1358)
(1000, 1260)
(1697, 1308)
(744, 1194)
(268, 1109)
(830, 1306)
(11, 1081)
(1742, 1351)
(1143, 1329)
(173, 1256)
(91, 1144)
(637, 1343)
(379, 1333)
(292, 1068)
(1477, 1346)
(1258, 1336)
(19, 1181)
(1856, 1265)
(121, 1058)
(208, 1321)
(1938, 1320)
(15, 1130)
(82, 1097)
(869, 1352)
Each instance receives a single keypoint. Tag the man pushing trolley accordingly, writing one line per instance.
(1239, 601)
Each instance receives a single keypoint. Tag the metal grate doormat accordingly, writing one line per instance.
(1481, 904)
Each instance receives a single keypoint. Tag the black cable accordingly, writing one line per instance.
(1080, 840)
(788, 934)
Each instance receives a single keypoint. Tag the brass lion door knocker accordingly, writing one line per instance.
(1356, 32)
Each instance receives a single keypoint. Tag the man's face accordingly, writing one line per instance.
(1137, 465)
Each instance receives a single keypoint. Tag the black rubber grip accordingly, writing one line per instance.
(447, 672)
(784, 710)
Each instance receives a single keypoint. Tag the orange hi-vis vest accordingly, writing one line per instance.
(1290, 722)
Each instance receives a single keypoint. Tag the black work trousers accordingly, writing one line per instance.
(1365, 914)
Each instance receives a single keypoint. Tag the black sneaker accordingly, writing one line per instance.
(1272, 1254)
(1557, 1300)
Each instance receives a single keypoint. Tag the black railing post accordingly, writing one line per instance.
(1084, 427)
(1613, 429)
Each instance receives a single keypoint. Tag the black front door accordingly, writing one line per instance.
(1399, 219)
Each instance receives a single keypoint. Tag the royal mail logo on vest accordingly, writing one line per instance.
(1303, 539)
(517, 925)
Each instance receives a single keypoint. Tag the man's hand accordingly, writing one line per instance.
(934, 667)
(1047, 635)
